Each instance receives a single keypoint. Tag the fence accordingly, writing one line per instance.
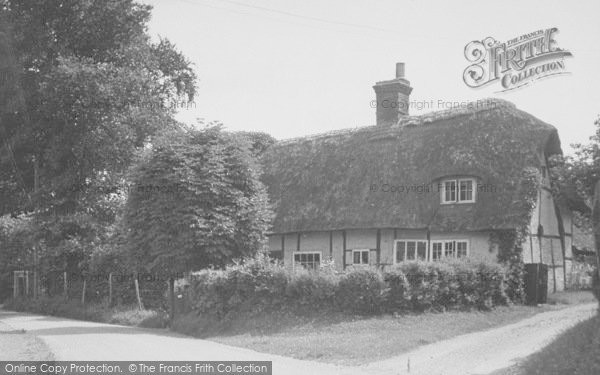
(145, 290)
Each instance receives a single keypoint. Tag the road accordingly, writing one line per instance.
(475, 353)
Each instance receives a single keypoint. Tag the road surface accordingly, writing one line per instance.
(475, 353)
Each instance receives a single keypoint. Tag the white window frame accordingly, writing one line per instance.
(406, 249)
(433, 243)
(457, 182)
(361, 251)
(319, 253)
(454, 252)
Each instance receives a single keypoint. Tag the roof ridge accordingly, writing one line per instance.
(480, 105)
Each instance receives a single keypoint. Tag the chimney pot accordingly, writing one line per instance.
(400, 70)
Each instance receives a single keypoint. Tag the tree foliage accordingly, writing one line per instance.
(95, 87)
(575, 176)
(91, 89)
(195, 201)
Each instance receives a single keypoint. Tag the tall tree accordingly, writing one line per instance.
(196, 201)
(95, 90)
(575, 176)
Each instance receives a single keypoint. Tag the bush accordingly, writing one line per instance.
(361, 291)
(258, 287)
(453, 284)
(308, 291)
(253, 287)
(515, 281)
(429, 284)
(398, 290)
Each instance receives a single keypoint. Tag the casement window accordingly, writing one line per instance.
(410, 250)
(309, 260)
(462, 190)
(449, 249)
(436, 250)
(360, 256)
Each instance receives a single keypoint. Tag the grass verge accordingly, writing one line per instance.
(57, 306)
(575, 352)
(355, 340)
(571, 297)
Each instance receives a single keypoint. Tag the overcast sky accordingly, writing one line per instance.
(292, 68)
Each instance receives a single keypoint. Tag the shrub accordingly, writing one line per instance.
(210, 292)
(429, 285)
(362, 291)
(308, 291)
(493, 285)
(398, 290)
(454, 284)
(259, 287)
(515, 282)
(253, 287)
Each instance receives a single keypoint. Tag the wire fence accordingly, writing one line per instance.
(145, 290)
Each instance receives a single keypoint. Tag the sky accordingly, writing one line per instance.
(294, 68)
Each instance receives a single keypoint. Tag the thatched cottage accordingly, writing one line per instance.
(443, 184)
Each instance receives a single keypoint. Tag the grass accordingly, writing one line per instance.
(571, 297)
(353, 341)
(96, 312)
(341, 339)
(360, 340)
(575, 352)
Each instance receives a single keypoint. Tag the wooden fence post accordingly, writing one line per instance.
(27, 283)
(172, 298)
(83, 292)
(65, 285)
(137, 293)
(15, 286)
(110, 290)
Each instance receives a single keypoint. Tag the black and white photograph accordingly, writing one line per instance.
(278, 187)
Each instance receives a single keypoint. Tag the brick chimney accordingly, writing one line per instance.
(392, 98)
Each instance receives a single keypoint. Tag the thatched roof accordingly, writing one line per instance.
(323, 182)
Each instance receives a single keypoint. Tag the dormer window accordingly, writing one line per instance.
(459, 190)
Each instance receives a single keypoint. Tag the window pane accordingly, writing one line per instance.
(461, 249)
(356, 257)
(436, 250)
(449, 249)
(466, 190)
(422, 250)
(400, 247)
(410, 250)
(307, 260)
(450, 190)
(365, 257)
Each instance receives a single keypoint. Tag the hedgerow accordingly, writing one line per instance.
(259, 286)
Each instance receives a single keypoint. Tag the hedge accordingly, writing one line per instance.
(260, 285)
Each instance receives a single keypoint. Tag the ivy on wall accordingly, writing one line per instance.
(510, 242)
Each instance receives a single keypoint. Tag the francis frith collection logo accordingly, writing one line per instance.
(516, 62)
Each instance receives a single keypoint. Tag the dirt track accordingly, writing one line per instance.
(476, 353)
